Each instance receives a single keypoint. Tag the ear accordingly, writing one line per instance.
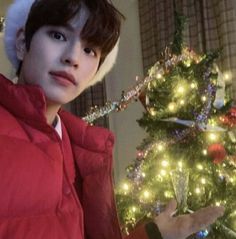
(20, 44)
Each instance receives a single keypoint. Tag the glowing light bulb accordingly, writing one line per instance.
(203, 181)
(146, 194)
(200, 167)
(152, 111)
(168, 194)
(160, 147)
(204, 98)
(204, 152)
(187, 63)
(212, 137)
(172, 107)
(164, 163)
(180, 164)
(163, 172)
(125, 187)
(134, 209)
(227, 76)
(233, 213)
(181, 90)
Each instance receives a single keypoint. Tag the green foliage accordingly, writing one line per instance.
(177, 45)
(186, 146)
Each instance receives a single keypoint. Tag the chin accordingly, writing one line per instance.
(57, 101)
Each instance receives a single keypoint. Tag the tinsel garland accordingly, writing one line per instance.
(158, 71)
(200, 123)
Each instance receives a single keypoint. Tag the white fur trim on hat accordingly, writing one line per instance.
(106, 65)
(16, 18)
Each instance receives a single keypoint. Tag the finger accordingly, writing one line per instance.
(205, 216)
(171, 207)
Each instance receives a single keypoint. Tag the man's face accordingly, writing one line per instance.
(60, 62)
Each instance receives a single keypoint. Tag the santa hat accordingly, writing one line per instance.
(16, 18)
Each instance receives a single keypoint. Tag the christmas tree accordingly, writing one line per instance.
(189, 153)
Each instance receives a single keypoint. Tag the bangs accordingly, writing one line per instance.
(102, 29)
(49, 12)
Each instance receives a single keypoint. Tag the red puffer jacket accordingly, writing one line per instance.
(52, 188)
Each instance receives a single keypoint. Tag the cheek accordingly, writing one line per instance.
(95, 68)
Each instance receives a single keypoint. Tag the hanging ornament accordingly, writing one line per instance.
(220, 92)
(230, 118)
(180, 179)
(217, 152)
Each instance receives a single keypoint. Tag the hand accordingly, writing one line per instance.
(182, 226)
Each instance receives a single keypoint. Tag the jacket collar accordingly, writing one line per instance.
(93, 138)
(26, 102)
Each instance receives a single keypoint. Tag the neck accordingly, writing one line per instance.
(51, 107)
(51, 113)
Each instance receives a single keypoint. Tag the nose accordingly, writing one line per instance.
(71, 56)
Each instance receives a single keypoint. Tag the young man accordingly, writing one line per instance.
(55, 170)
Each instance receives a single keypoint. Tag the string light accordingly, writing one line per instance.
(181, 90)
(160, 147)
(163, 172)
(204, 152)
(212, 136)
(168, 194)
(227, 76)
(203, 181)
(201, 118)
(126, 187)
(152, 111)
(200, 167)
(146, 194)
(172, 107)
(134, 209)
(187, 63)
(164, 163)
(180, 164)
(193, 85)
(204, 98)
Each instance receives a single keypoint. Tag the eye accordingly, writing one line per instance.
(57, 35)
(90, 51)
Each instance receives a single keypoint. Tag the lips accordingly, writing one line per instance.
(63, 77)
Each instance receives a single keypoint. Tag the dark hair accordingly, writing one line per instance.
(102, 28)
